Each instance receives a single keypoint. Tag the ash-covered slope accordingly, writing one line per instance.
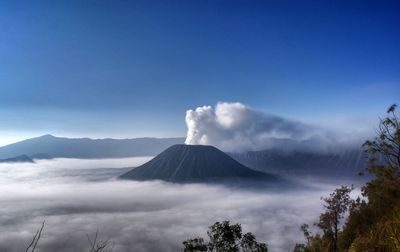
(192, 163)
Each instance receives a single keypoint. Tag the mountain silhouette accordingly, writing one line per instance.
(17, 159)
(49, 146)
(193, 163)
(348, 163)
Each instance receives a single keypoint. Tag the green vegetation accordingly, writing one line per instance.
(225, 237)
(373, 222)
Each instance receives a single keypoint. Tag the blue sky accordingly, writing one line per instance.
(132, 68)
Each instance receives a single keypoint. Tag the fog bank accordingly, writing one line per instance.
(138, 216)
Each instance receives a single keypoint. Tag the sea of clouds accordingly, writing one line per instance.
(78, 197)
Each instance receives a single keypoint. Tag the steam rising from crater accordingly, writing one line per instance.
(238, 127)
(235, 126)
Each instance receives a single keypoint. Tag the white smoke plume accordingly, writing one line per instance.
(235, 127)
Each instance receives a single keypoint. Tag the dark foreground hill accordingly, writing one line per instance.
(18, 159)
(193, 163)
(49, 146)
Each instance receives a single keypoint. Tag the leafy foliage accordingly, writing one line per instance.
(195, 244)
(249, 244)
(336, 206)
(382, 236)
(225, 237)
(374, 221)
(387, 143)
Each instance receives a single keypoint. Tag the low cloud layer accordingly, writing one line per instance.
(76, 199)
(237, 127)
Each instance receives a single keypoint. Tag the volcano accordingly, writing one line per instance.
(193, 163)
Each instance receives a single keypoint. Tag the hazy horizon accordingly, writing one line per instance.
(132, 69)
(285, 91)
(234, 126)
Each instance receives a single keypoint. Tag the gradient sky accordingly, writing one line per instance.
(132, 68)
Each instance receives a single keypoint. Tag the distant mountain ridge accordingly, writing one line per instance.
(284, 160)
(49, 146)
(17, 159)
(304, 163)
(193, 163)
